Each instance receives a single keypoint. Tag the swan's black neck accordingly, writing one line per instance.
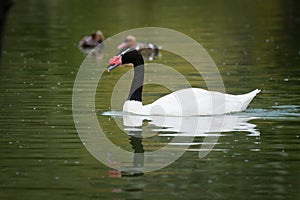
(137, 60)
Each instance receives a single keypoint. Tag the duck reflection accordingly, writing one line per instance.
(96, 52)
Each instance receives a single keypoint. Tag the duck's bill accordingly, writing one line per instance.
(111, 67)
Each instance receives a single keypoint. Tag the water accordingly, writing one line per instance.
(255, 44)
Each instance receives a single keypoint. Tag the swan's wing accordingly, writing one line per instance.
(186, 102)
(196, 101)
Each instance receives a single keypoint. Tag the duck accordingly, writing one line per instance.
(92, 41)
(93, 44)
(184, 102)
(147, 50)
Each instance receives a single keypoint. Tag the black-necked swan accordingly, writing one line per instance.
(185, 102)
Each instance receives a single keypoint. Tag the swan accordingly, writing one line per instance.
(184, 102)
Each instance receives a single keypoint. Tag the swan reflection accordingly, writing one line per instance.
(180, 133)
(200, 126)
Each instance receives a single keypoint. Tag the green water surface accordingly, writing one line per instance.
(255, 44)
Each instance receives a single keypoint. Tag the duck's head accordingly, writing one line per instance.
(97, 36)
(129, 42)
(128, 57)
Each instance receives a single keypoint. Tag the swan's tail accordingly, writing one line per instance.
(247, 98)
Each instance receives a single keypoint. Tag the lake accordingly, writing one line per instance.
(256, 154)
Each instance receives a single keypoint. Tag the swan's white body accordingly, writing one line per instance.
(192, 102)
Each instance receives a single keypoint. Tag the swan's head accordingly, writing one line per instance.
(134, 58)
(128, 57)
